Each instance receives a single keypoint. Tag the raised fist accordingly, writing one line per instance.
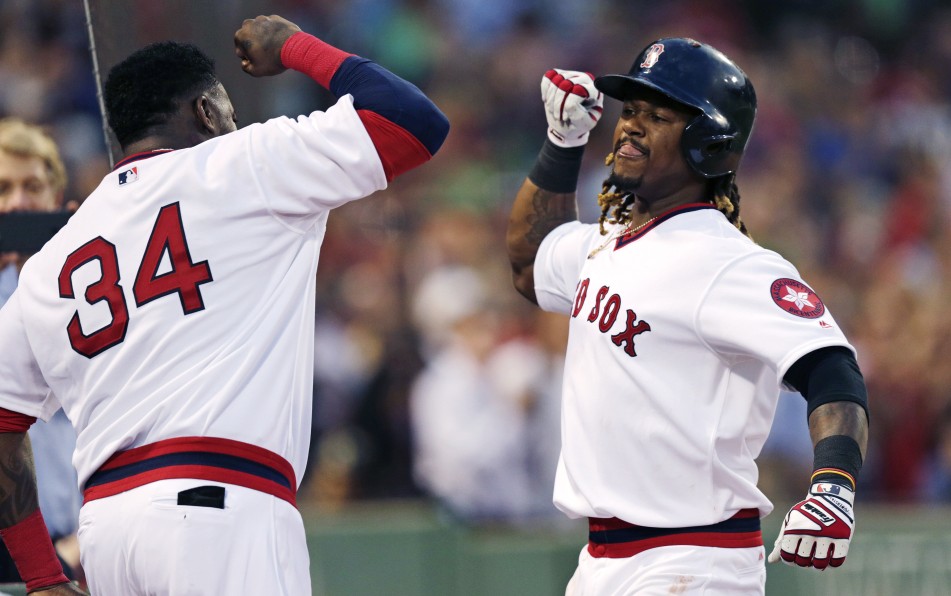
(573, 106)
(817, 530)
(258, 44)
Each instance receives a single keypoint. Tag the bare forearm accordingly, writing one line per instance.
(17, 479)
(840, 418)
(536, 212)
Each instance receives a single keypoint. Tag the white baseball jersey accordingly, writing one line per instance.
(679, 337)
(179, 300)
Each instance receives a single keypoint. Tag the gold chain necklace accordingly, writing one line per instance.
(622, 232)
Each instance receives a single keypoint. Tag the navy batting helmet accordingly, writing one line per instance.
(698, 76)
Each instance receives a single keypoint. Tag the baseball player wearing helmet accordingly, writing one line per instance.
(172, 318)
(682, 333)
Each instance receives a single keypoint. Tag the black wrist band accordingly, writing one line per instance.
(557, 168)
(840, 452)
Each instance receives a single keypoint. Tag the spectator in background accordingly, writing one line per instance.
(469, 405)
(529, 369)
(33, 178)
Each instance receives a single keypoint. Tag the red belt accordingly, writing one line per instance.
(201, 458)
(615, 538)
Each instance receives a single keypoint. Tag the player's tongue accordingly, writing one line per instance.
(628, 150)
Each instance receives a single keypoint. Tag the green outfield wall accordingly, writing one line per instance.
(409, 549)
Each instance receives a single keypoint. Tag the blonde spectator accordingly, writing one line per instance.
(32, 174)
(33, 178)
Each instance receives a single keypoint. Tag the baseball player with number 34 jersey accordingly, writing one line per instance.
(173, 317)
(682, 333)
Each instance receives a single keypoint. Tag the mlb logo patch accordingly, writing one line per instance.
(127, 176)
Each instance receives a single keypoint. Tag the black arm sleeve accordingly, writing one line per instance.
(827, 375)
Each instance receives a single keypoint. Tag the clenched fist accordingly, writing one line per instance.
(258, 44)
(573, 106)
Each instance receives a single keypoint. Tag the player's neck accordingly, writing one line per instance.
(162, 141)
(148, 144)
(659, 206)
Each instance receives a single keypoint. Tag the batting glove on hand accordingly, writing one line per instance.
(572, 106)
(817, 531)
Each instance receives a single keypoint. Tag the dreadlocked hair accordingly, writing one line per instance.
(615, 206)
(726, 197)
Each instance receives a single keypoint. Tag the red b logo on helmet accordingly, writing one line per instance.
(652, 55)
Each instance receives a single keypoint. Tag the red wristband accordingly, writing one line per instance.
(14, 422)
(315, 58)
(29, 544)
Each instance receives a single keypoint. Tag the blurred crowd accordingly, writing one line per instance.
(432, 377)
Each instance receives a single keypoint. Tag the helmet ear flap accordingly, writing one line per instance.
(718, 146)
(709, 150)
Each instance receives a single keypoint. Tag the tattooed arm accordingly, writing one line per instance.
(840, 418)
(547, 199)
(536, 212)
(832, 384)
(17, 479)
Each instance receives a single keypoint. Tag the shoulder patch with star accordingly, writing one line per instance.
(796, 298)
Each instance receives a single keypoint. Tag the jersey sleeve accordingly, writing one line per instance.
(758, 306)
(404, 125)
(406, 128)
(380, 127)
(558, 264)
(22, 387)
(313, 163)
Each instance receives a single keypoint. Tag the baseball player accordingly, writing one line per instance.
(172, 318)
(682, 332)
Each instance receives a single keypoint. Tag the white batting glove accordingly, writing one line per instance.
(572, 106)
(817, 531)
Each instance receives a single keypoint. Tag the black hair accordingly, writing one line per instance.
(143, 90)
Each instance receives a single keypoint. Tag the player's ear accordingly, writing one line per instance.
(204, 113)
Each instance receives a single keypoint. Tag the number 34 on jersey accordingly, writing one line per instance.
(184, 279)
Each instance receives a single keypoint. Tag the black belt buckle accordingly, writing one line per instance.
(203, 496)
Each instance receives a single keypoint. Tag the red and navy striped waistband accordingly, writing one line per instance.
(615, 538)
(201, 458)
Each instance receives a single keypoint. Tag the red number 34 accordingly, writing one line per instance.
(183, 279)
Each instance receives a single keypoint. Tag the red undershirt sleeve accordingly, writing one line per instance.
(313, 57)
